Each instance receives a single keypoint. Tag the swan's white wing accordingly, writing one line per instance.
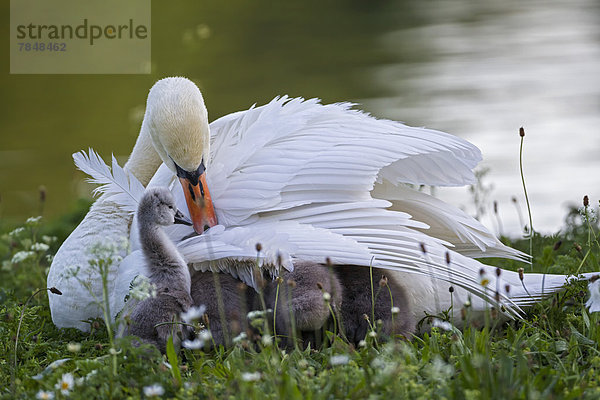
(117, 184)
(297, 176)
(292, 152)
(466, 235)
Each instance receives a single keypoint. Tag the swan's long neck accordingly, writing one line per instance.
(144, 160)
(166, 267)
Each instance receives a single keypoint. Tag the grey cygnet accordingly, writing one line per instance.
(166, 269)
(349, 290)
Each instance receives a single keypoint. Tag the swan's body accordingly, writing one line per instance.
(165, 269)
(307, 181)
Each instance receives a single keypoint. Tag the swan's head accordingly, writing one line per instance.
(177, 121)
(158, 207)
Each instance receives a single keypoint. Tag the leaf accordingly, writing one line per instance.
(173, 360)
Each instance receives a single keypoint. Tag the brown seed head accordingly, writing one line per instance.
(366, 317)
(258, 247)
(448, 257)
(521, 132)
(451, 289)
(328, 261)
(521, 271)
(577, 247)
(423, 249)
(320, 285)
(507, 288)
(586, 201)
(55, 291)
(383, 281)
(482, 271)
(498, 272)
(495, 207)
(557, 245)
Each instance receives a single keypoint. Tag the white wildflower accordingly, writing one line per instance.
(74, 347)
(195, 344)
(43, 395)
(33, 221)
(113, 351)
(326, 297)
(199, 342)
(193, 314)
(395, 310)
(251, 376)
(445, 325)
(267, 340)
(240, 337)
(22, 256)
(48, 239)
(17, 231)
(594, 302)
(362, 343)
(378, 363)
(373, 334)
(65, 384)
(340, 359)
(588, 214)
(258, 313)
(154, 390)
(440, 370)
(42, 247)
(142, 288)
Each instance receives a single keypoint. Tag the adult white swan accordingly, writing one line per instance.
(307, 181)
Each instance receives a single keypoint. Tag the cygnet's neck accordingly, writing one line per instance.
(144, 160)
(166, 267)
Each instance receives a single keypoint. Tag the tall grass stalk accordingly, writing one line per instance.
(531, 230)
(14, 371)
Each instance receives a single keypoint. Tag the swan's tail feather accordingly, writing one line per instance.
(117, 184)
(535, 287)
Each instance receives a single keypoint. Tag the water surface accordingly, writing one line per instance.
(479, 70)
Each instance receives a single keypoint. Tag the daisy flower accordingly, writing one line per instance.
(65, 384)
(154, 390)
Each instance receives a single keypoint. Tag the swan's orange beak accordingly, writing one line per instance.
(197, 197)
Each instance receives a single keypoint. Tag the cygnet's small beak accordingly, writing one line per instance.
(197, 198)
(182, 219)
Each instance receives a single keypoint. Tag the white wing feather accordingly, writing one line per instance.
(119, 186)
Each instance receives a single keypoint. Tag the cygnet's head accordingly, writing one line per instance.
(158, 207)
(177, 121)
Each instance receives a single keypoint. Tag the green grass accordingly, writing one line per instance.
(553, 353)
